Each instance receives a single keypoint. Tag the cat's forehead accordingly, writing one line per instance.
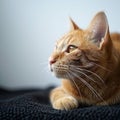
(69, 39)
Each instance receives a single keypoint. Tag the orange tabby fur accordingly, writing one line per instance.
(95, 85)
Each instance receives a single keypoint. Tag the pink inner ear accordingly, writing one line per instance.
(98, 28)
(106, 41)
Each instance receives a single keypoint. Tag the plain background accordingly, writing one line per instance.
(29, 29)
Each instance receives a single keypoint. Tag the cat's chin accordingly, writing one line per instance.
(60, 76)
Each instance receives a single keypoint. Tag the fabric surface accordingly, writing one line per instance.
(34, 105)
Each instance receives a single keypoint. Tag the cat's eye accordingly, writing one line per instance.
(70, 48)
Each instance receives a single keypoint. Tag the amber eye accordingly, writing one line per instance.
(70, 48)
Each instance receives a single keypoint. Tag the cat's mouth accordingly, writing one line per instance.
(59, 70)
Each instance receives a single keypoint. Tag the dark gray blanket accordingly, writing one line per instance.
(34, 105)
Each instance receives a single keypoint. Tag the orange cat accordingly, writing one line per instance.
(88, 61)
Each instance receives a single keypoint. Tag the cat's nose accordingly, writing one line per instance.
(51, 61)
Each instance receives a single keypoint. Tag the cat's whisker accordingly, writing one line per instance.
(45, 69)
(69, 75)
(102, 67)
(91, 73)
(78, 71)
(89, 86)
(81, 69)
(85, 83)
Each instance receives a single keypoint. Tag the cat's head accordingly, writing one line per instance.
(83, 53)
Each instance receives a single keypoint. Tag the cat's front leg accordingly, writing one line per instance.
(61, 100)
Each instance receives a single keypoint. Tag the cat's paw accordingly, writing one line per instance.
(66, 103)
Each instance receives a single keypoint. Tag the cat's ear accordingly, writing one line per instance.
(98, 29)
(73, 25)
(106, 42)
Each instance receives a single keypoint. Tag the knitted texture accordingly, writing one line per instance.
(34, 105)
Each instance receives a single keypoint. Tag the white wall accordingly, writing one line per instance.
(29, 29)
